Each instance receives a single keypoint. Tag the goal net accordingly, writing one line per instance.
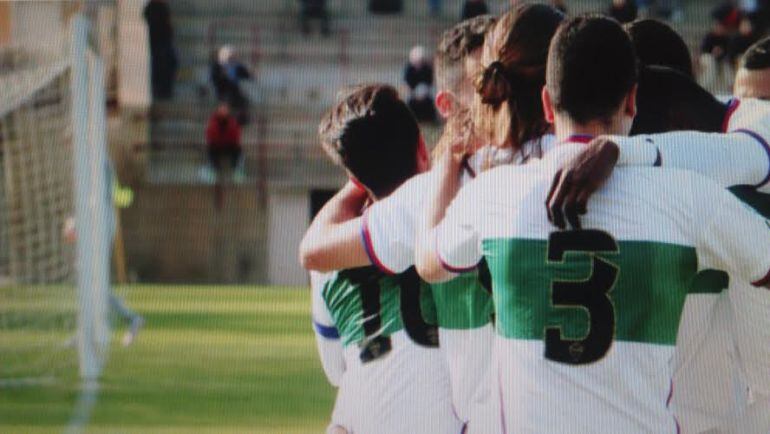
(54, 289)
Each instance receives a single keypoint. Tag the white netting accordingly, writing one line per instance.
(38, 308)
(53, 292)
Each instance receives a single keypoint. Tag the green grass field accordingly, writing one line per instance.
(210, 359)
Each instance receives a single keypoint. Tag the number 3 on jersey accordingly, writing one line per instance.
(591, 294)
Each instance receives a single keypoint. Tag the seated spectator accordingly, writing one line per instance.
(714, 53)
(226, 75)
(624, 11)
(421, 104)
(223, 139)
(746, 36)
(474, 8)
(314, 9)
(716, 41)
(419, 69)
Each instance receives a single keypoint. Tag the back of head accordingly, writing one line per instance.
(374, 136)
(515, 55)
(668, 100)
(656, 43)
(455, 45)
(753, 77)
(591, 68)
(757, 56)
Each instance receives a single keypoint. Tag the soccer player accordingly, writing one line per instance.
(717, 351)
(587, 319)
(394, 379)
(753, 77)
(520, 43)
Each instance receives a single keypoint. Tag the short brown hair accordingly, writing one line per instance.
(592, 66)
(372, 133)
(455, 45)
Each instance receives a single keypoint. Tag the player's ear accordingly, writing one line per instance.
(445, 103)
(547, 105)
(630, 108)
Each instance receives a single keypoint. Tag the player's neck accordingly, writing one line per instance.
(565, 129)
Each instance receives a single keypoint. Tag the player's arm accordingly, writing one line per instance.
(445, 245)
(327, 336)
(333, 240)
(741, 157)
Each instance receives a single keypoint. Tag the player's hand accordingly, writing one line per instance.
(578, 180)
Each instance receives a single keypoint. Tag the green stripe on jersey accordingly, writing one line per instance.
(343, 297)
(648, 296)
(462, 303)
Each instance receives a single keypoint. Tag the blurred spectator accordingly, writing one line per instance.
(474, 8)
(226, 75)
(163, 60)
(223, 139)
(386, 6)
(435, 7)
(624, 11)
(746, 36)
(728, 14)
(716, 41)
(753, 77)
(314, 9)
(664, 9)
(421, 104)
(714, 52)
(419, 69)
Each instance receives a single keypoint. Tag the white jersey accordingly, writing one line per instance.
(463, 305)
(587, 320)
(387, 383)
(710, 380)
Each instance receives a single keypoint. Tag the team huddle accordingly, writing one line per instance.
(583, 251)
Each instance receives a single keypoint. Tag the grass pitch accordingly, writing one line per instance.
(210, 359)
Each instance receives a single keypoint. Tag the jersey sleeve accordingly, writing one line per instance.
(388, 230)
(456, 239)
(751, 334)
(741, 157)
(732, 237)
(326, 334)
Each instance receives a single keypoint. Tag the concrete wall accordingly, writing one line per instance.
(39, 24)
(134, 54)
(289, 212)
(175, 234)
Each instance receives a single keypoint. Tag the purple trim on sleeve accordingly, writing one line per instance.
(445, 265)
(732, 106)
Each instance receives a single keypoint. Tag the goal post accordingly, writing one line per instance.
(54, 293)
(92, 200)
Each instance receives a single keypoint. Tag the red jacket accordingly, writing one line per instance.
(223, 132)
